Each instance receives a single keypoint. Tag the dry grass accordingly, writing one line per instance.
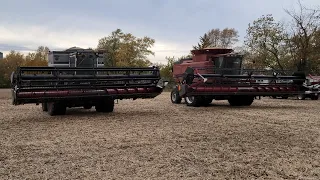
(272, 139)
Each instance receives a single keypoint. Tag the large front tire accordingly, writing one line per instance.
(56, 108)
(175, 98)
(105, 105)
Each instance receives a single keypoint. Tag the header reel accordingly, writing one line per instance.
(39, 84)
(246, 82)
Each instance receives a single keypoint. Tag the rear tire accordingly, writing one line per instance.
(56, 108)
(194, 101)
(241, 100)
(234, 101)
(175, 98)
(206, 101)
(247, 101)
(105, 105)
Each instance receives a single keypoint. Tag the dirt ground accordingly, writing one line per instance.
(155, 139)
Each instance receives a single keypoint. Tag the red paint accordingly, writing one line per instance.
(111, 91)
(216, 89)
(64, 93)
(228, 89)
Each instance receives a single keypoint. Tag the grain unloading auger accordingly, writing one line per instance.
(218, 74)
(80, 81)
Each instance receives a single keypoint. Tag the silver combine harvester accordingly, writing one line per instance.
(77, 78)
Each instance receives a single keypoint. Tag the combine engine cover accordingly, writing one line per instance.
(218, 74)
(78, 78)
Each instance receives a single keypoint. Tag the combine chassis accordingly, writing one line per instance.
(239, 90)
(58, 88)
(218, 74)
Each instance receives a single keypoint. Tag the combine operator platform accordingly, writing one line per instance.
(218, 74)
(78, 78)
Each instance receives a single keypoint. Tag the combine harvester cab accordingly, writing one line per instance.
(78, 78)
(217, 73)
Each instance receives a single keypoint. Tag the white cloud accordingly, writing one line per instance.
(33, 36)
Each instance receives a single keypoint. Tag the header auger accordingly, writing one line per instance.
(78, 78)
(218, 74)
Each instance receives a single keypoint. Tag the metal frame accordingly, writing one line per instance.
(216, 84)
(40, 84)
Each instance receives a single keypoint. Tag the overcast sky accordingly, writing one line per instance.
(175, 25)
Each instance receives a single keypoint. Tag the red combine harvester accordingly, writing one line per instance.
(217, 73)
(78, 78)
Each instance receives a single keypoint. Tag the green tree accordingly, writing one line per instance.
(126, 50)
(303, 38)
(228, 37)
(166, 70)
(204, 42)
(3, 81)
(15, 59)
(42, 53)
(111, 45)
(267, 40)
(38, 58)
(8, 65)
(315, 54)
(224, 38)
(214, 37)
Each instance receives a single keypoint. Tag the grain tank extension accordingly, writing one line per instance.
(218, 73)
(78, 78)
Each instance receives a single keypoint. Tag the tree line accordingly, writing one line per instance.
(294, 44)
(15, 59)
